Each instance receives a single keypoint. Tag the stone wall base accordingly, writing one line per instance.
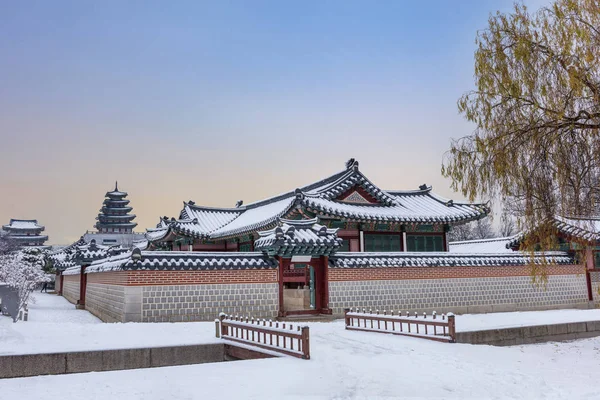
(460, 295)
(531, 334)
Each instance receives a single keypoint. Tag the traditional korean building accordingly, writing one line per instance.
(115, 222)
(115, 214)
(367, 218)
(26, 232)
(336, 243)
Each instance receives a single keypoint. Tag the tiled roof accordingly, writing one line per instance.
(23, 224)
(483, 246)
(298, 237)
(418, 207)
(586, 229)
(582, 228)
(29, 238)
(380, 260)
(176, 260)
(162, 229)
(81, 252)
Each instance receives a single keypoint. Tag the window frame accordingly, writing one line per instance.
(441, 235)
(383, 233)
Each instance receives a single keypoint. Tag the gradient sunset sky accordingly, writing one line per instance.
(221, 101)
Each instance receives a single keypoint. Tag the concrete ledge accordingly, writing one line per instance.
(531, 334)
(109, 360)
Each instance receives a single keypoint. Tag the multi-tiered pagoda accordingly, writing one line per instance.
(25, 232)
(115, 214)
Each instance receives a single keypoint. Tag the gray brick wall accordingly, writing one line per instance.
(113, 303)
(71, 289)
(460, 295)
(204, 302)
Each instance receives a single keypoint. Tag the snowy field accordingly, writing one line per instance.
(344, 364)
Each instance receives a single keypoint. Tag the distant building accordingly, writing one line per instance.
(25, 232)
(114, 215)
(115, 222)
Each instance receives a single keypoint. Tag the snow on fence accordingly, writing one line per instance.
(267, 335)
(443, 330)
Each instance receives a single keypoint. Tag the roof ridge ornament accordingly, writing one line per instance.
(116, 186)
(299, 194)
(352, 164)
(423, 187)
(239, 203)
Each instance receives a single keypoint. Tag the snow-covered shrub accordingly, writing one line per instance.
(23, 270)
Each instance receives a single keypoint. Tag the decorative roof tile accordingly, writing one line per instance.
(429, 259)
(292, 237)
(586, 229)
(179, 260)
(483, 246)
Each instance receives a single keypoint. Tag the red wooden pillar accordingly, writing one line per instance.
(59, 282)
(325, 278)
(280, 262)
(82, 287)
(589, 265)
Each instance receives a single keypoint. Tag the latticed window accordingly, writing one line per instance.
(424, 242)
(345, 245)
(245, 247)
(382, 243)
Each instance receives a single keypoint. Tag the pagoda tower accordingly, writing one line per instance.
(114, 215)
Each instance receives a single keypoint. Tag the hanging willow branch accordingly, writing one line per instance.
(536, 108)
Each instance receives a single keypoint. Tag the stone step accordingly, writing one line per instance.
(308, 318)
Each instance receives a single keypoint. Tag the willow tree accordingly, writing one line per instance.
(536, 108)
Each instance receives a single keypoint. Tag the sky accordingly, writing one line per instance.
(223, 101)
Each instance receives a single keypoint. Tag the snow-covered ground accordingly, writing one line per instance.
(55, 325)
(475, 322)
(344, 364)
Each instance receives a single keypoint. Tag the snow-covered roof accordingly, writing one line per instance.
(347, 195)
(582, 228)
(162, 229)
(23, 224)
(441, 259)
(187, 260)
(82, 252)
(179, 260)
(28, 238)
(586, 229)
(116, 192)
(483, 246)
(298, 237)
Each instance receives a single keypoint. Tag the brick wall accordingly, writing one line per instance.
(404, 273)
(460, 295)
(71, 288)
(149, 278)
(175, 303)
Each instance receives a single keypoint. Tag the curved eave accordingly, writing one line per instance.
(8, 228)
(37, 238)
(125, 209)
(416, 220)
(116, 225)
(106, 218)
(115, 202)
